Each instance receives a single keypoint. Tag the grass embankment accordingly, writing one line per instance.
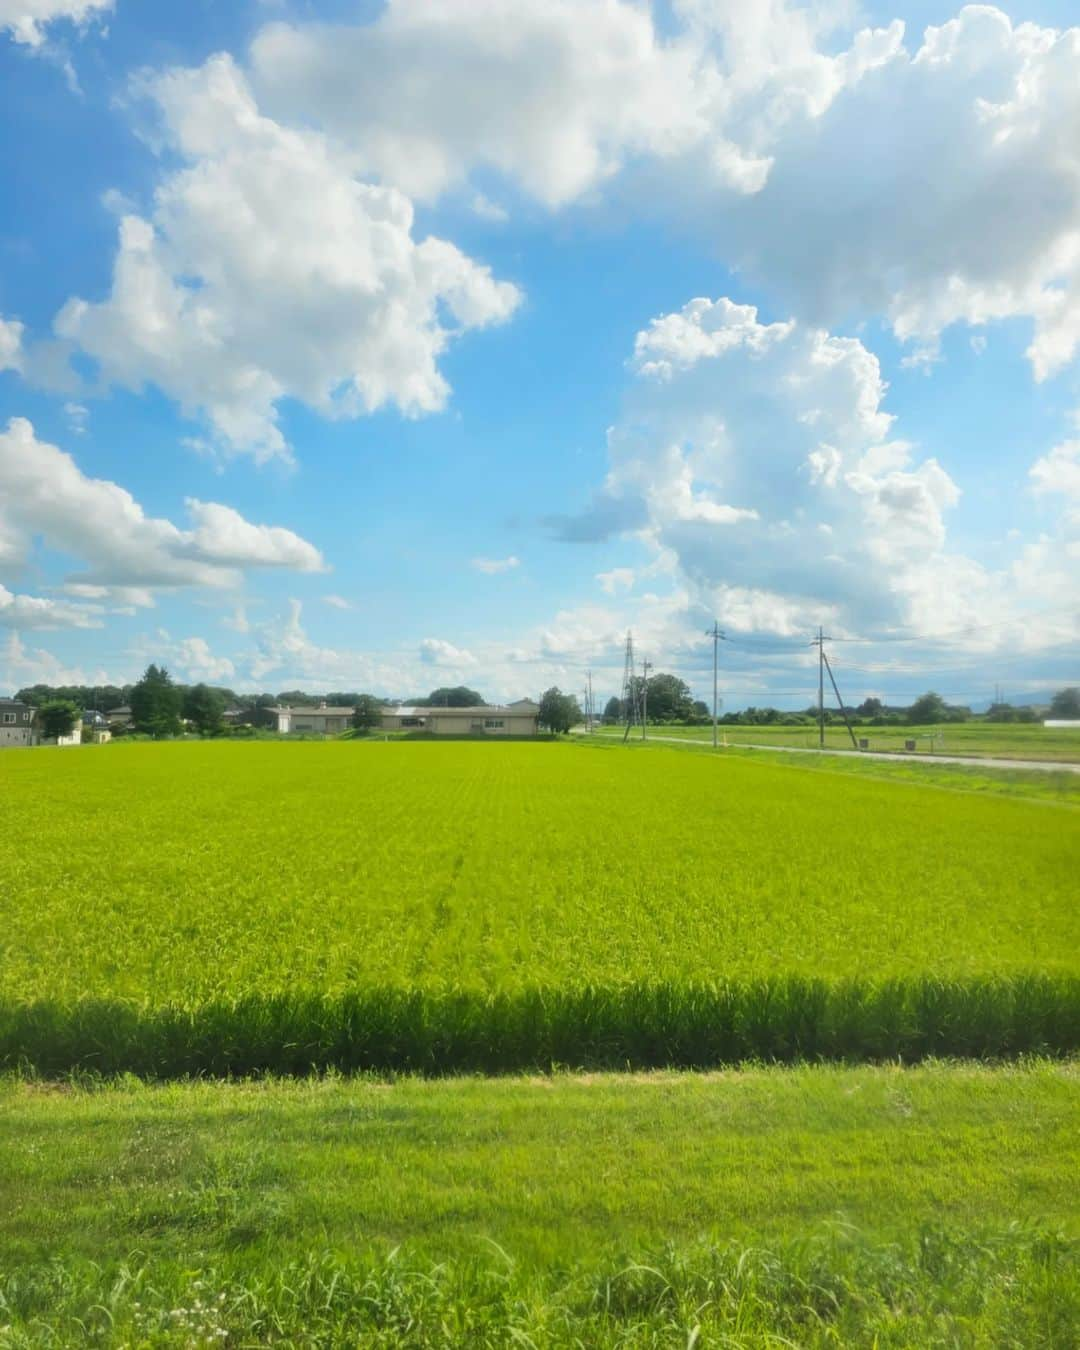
(1004, 740)
(1061, 786)
(928, 1206)
(225, 907)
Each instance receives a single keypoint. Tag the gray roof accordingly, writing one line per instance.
(316, 712)
(522, 708)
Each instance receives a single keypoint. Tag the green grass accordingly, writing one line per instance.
(1006, 740)
(221, 907)
(1051, 785)
(920, 1207)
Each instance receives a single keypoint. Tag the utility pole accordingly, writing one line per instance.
(823, 665)
(591, 710)
(716, 636)
(646, 666)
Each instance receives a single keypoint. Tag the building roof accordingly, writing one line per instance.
(13, 703)
(316, 712)
(523, 707)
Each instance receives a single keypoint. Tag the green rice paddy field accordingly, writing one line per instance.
(238, 912)
(216, 907)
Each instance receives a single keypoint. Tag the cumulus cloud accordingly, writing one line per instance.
(127, 554)
(492, 566)
(336, 602)
(555, 93)
(761, 458)
(28, 20)
(32, 611)
(268, 269)
(933, 178)
(437, 652)
(198, 662)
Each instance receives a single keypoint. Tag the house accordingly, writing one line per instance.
(119, 717)
(16, 723)
(512, 719)
(95, 727)
(323, 720)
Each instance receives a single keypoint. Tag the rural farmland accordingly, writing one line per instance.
(277, 909)
(423, 906)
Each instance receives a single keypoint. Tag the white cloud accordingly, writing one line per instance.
(21, 665)
(11, 332)
(27, 20)
(269, 270)
(1058, 473)
(77, 415)
(198, 662)
(336, 602)
(486, 209)
(126, 554)
(760, 456)
(610, 582)
(437, 652)
(796, 143)
(32, 611)
(555, 93)
(492, 566)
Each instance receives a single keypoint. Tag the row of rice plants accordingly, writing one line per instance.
(637, 1025)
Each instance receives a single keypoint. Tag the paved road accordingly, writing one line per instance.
(973, 761)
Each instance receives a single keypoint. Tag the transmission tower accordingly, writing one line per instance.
(629, 687)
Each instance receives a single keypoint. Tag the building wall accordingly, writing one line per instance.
(16, 735)
(478, 724)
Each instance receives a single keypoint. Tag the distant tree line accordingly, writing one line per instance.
(161, 707)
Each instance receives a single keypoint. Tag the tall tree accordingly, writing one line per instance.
(458, 696)
(1066, 704)
(613, 709)
(669, 699)
(368, 712)
(204, 706)
(558, 711)
(156, 703)
(927, 709)
(57, 718)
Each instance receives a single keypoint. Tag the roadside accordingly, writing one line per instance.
(890, 756)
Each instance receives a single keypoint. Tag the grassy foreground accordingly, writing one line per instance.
(232, 908)
(928, 1206)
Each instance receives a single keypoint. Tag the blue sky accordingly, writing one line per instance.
(385, 346)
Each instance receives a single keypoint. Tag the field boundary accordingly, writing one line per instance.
(633, 1026)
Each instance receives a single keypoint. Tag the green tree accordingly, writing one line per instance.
(57, 718)
(669, 699)
(927, 709)
(459, 696)
(1066, 704)
(204, 706)
(870, 707)
(613, 710)
(156, 703)
(368, 712)
(558, 711)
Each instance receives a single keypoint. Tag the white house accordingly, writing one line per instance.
(323, 720)
(484, 719)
